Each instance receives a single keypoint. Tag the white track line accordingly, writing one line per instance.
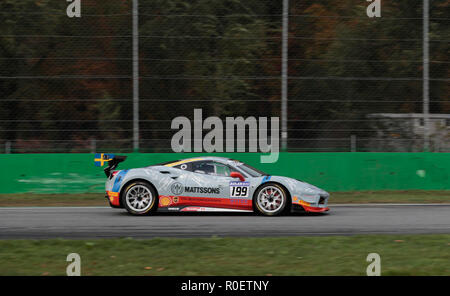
(331, 205)
(389, 204)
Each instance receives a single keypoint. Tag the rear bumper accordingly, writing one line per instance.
(113, 198)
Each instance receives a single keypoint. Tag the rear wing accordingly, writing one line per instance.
(112, 160)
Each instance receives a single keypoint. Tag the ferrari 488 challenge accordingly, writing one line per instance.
(206, 184)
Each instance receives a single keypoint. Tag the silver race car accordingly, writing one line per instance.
(206, 184)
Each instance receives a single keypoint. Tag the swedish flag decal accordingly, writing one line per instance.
(101, 158)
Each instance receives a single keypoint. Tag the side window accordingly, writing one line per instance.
(222, 169)
(184, 166)
(203, 167)
(211, 168)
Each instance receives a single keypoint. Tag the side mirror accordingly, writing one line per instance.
(237, 175)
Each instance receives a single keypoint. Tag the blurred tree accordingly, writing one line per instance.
(223, 56)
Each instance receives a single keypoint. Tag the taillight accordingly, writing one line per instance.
(113, 174)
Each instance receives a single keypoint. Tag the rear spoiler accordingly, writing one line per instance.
(112, 160)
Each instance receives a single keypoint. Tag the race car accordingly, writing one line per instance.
(206, 184)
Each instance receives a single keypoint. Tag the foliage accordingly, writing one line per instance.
(222, 56)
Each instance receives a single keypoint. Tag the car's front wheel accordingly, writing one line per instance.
(139, 198)
(270, 199)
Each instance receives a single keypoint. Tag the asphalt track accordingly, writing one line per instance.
(104, 222)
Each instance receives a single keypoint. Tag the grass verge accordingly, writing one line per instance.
(48, 200)
(405, 196)
(97, 199)
(335, 255)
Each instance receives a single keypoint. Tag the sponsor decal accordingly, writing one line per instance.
(266, 179)
(175, 199)
(173, 209)
(239, 189)
(239, 183)
(209, 209)
(210, 202)
(165, 201)
(118, 180)
(176, 188)
(202, 190)
(194, 209)
(202, 199)
(238, 201)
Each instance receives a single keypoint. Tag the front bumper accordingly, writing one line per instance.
(308, 209)
(299, 205)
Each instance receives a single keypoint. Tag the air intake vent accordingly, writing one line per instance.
(322, 200)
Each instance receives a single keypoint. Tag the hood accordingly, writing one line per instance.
(304, 186)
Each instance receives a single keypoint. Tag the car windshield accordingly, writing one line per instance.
(251, 170)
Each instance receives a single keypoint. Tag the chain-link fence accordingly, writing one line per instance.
(354, 83)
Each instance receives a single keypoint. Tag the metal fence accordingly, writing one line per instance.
(353, 83)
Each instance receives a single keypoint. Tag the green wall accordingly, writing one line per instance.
(76, 173)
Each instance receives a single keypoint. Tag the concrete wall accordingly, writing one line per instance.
(76, 173)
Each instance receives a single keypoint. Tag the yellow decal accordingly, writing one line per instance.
(165, 201)
(304, 203)
(183, 161)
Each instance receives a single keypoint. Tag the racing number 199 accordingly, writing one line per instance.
(239, 191)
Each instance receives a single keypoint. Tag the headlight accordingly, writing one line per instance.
(310, 190)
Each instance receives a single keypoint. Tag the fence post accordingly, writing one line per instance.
(135, 76)
(8, 147)
(426, 72)
(93, 145)
(353, 143)
(284, 75)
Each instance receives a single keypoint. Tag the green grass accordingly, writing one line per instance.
(333, 255)
(405, 196)
(31, 199)
(97, 199)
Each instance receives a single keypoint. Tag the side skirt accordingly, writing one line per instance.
(198, 209)
(203, 204)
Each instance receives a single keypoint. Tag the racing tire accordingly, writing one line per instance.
(270, 200)
(140, 198)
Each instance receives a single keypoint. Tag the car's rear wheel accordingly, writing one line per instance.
(270, 200)
(139, 198)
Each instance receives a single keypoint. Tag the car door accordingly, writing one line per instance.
(205, 181)
(209, 185)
